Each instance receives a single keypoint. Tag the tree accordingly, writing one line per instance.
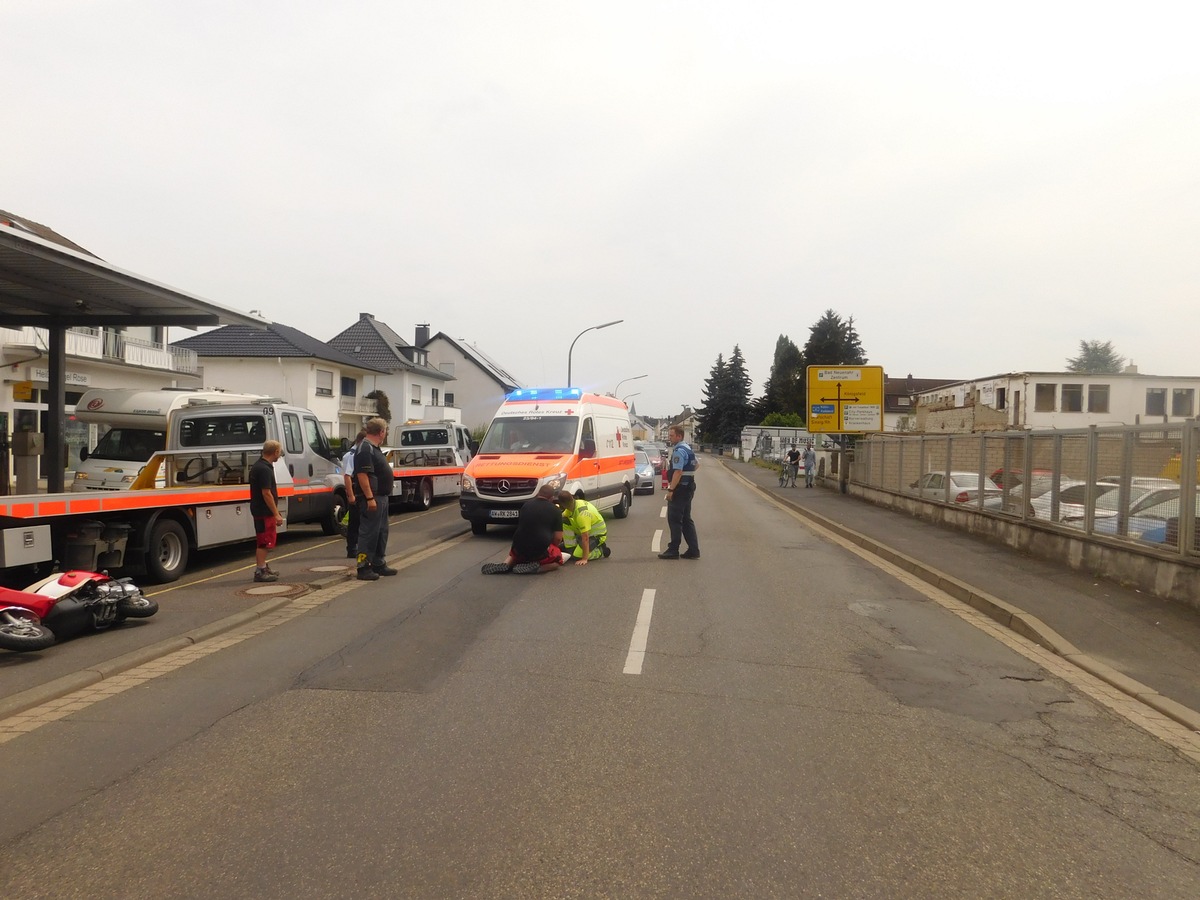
(381, 404)
(783, 420)
(831, 342)
(1097, 358)
(782, 393)
(739, 410)
(710, 417)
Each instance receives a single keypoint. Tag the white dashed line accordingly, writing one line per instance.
(641, 634)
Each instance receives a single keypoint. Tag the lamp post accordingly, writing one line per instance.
(617, 389)
(625, 399)
(581, 334)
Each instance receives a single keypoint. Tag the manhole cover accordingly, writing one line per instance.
(260, 590)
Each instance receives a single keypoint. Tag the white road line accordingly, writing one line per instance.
(641, 634)
(656, 544)
(662, 513)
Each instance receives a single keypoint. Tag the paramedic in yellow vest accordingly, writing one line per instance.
(591, 534)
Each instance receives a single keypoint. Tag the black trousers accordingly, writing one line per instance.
(679, 518)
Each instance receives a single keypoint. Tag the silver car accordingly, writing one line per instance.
(958, 487)
(644, 477)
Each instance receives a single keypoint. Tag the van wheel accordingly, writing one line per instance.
(621, 510)
(166, 551)
(479, 528)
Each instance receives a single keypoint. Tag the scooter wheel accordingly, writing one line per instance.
(20, 634)
(139, 607)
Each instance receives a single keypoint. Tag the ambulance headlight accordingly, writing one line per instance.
(558, 482)
(468, 484)
(81, 476)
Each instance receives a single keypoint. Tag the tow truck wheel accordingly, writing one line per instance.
(332, 523)
(423, 498)
(166, 551)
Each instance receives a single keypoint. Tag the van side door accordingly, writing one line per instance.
(588, 470)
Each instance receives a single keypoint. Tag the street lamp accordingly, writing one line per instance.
(617, 389)
(625, 399)
(581, 334)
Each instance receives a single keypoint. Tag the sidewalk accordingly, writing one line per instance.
(1153, 641)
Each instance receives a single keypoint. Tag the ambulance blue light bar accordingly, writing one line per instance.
(545, 394)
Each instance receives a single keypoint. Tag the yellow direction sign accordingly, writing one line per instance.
(845, 399)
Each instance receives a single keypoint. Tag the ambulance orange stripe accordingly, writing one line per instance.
(420, 473)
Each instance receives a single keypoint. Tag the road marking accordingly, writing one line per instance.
(656, 544)
(641, 634)
(662, 513)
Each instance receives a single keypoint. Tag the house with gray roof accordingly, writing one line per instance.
(284, 362)
(416, 388)
(480, 383)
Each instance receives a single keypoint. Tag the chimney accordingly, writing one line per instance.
(1131, 369)
(364, 316)
(422, 334)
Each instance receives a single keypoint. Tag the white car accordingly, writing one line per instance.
(1072, 502)
(958, 487)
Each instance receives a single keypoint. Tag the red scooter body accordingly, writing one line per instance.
(66, 604)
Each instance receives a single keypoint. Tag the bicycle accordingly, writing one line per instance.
(787, 474)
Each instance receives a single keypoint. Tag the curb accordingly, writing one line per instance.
(1016, 620)
(68, 684)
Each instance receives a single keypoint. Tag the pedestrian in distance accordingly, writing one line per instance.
(351, 496)
(373, 475)
(679, 498)
(810, 466)
(535, 545)
(264, 508)
(793, 465)
(591, 533)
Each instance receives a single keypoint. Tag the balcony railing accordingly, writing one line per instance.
(96, 343)
(358, 406)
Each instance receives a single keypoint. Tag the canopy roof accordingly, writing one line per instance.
(46, 284)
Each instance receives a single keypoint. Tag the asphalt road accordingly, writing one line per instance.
(803, 722)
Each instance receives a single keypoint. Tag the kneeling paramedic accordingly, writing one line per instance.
(591, 534)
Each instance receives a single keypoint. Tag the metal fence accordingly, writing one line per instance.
(1125, 483)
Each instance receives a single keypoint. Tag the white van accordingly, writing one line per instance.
(136, 422)
(573, 441)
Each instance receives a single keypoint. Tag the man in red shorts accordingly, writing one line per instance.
(536, 541)
(264, 507)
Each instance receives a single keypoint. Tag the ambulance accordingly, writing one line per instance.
(571, 440)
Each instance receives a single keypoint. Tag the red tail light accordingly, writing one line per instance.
(962, 497)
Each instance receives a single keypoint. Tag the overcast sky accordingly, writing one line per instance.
(980, 186)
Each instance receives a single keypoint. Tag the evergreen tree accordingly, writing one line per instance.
(739, 410)
(709, 418)
(831, 342)
(1096, 358)
(781, 393)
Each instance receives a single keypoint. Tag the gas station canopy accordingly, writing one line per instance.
(47, 284)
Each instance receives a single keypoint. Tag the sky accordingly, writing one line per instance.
(981, 186)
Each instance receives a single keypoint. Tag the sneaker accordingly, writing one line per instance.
(667, 554)
(384, 570)
(527, 568)
(605, 551)
(366, 573)
(690, 555)
(265, 575)
(496, 568)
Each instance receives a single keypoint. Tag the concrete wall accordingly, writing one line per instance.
(1143, 569)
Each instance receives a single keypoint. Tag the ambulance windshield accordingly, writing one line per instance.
(532, 434)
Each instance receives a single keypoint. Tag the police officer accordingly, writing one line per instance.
(679, 498)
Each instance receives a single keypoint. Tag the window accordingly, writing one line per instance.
(349, 387)
(1043, 398)
(903, 401)
(324, 383)
(1156, 401)
(1098, 398)
(433, 396)
(293, 439)
(217, 431)
(1001, 397)
(1182, 402)
(315, 437)
(1072, 398)
(449, 399)
(416, 394)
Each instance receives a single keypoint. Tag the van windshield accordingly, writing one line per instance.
(129, 444)
(532, 434)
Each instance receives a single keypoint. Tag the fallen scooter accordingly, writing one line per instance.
(66, 604)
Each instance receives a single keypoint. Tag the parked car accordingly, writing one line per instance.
(1013, 477)
(644, 474)
(1072, 502)
(1159, 524)
(958, 487)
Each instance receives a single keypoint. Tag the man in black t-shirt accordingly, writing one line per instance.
(374, 477)
(264, 508)
(793, 464)
(536, 541)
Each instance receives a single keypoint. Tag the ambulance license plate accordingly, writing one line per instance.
(505, 513)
